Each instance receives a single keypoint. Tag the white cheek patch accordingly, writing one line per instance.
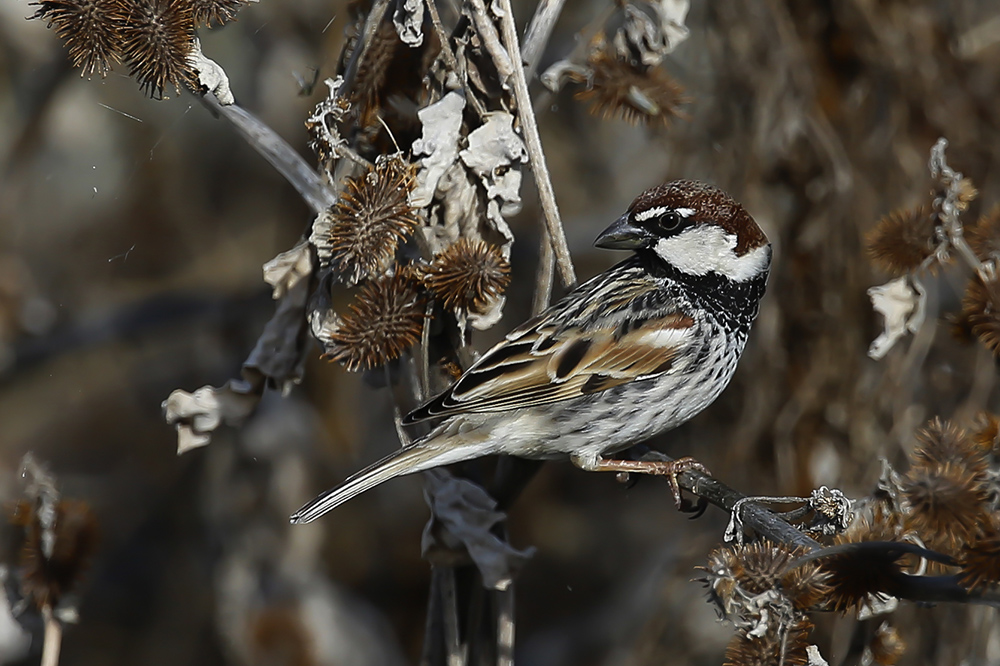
(703, 249)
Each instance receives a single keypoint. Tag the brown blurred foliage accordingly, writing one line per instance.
(131, 238)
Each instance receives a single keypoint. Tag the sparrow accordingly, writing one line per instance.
(633, 352)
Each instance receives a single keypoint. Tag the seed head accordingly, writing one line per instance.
(637, 94)
(903, 240)
(854, 577)
(941, 442)
(981, 309)
(979, 562)
(887, 647)
(984, 235)
(385, 320)
(211, 13)
(777, 646)
(90, 30)
(986, 433)
(157, 38)
(372, 216)
(468, 275)
(52, 564)
(948, 505)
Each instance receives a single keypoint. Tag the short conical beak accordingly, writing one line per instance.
(623, 235)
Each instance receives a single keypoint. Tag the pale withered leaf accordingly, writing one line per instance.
(463, 515)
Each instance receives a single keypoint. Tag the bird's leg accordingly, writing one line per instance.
(668, 468)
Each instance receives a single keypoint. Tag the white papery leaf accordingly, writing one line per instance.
(287, 269)
(438, 145)
(409, 21)
(901, 303)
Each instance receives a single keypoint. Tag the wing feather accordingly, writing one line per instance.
(541, 364)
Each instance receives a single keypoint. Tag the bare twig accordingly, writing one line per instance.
(950, 211)
(535, 153)
(505, 626)
(760, 519)
(491, 40)
(546, 272)
(539, 30)
(449, 606)
(450, 60)
(277, 152)
(53, 637)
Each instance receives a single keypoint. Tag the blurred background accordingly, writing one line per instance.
(132, 234)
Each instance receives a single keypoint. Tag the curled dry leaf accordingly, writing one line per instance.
(288, 268)
(276, 361)
(901, 303)
(211, 76)
(493, 154)
(322, 124)
(463, 516)
(437, 146)
(652, 30)
(409, 20)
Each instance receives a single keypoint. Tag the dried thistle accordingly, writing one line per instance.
(90, 29)
(854, 577)
(637, 94)
(806, 585)
(966, 194)
(979, 562)
(372, 73)
(941, 442)
(788, 646)
(385, 320)
(984, 236)
(886, 646)
(372, 216)
(157, 38)
(468, 275)
(986, 433)
(210, 13)
(54, 556)
(981, 309)
(762, 566)
(948, 505)
(904, 239)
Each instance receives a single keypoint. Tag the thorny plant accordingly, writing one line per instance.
(931, 533)
(421, 142)
(55, 539)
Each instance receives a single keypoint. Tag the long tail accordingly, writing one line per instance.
(414, 458)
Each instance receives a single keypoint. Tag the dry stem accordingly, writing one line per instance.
(535, 153)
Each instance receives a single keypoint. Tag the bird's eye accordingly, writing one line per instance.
(668, 221)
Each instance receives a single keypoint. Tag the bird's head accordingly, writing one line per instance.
(694, 227)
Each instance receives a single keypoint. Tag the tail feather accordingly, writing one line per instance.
(415, 458)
